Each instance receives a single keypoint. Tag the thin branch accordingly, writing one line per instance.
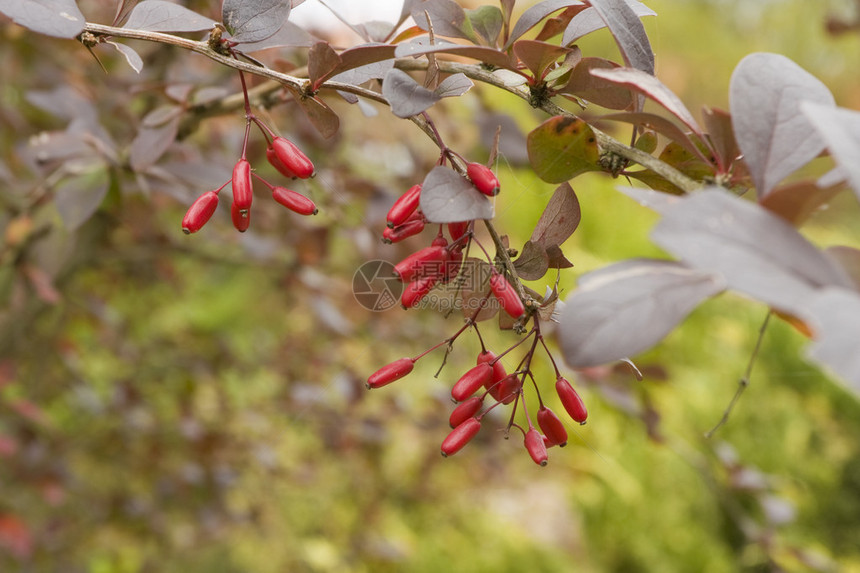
(744, 381)
(299, 86)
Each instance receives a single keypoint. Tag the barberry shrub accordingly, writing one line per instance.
(732, 189)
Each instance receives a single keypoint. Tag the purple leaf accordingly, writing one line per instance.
(531, 17)
(840, 129)
(321, 116)
(447, 17)
(758, 253)
(59, 18)
(374, 61)
(454, 86)
(560, 218)
(162, 16)
(487, 55)
(406, 96)
(596, 90)
(628, 31)
(626, 308)
(833, 315)
(254, 20)
(533, 262)
(654, 200)
(721, 134)
(132, 57)
(322, 62)
(538, 56)
(77, 199)
(289, 35)
(649, 86)
(152, 141)
(589, 20)
(448, 197)
(775, 137)
(562, 148)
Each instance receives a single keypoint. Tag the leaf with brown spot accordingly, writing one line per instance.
(561, 148)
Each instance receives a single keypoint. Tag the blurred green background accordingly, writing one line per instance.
(173, 403)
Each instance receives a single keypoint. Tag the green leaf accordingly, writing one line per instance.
(487, 22)
(561, 148)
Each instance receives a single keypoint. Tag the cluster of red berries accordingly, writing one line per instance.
(285, 157)
(490, 378)
(439, 263)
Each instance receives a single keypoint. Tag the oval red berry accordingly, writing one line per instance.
(200, 212)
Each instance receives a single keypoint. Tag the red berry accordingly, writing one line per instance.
(404, 231)
(416, 291)
(243, 189)
(200, 212)
(468, 384)
(458, 229)
(390, 372)
(241, 220)
(294, 201)
(277, 164)
(429, 261)
(507, 296)
(465, 410)
(571, 400)
(552, 427)
(509, 387)
(535, 446)
(292, 157)
(483, 179)
(499, 373)
(404, 206)
(460, 436)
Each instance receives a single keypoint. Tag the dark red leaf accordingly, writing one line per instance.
(560, 218)
(531, 17)
(162, 16)
(628, 31)
(589, 20)
(254, 20)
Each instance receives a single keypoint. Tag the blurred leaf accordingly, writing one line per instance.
(721, 134)
(626, 308)
(406, 96)
(840, 129)
(765, 94)
(690, 165)
(849, 259)
(78, 198)
(561, 148)
(254, 20)
(448, 197)
(834, 313)
(595, 89)
(59, 18)
(758, 253)
(647, 141)
(162, 16)
(796, 202)
(560, 218)
(589, 20)
(487, 22)
(150, 143)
